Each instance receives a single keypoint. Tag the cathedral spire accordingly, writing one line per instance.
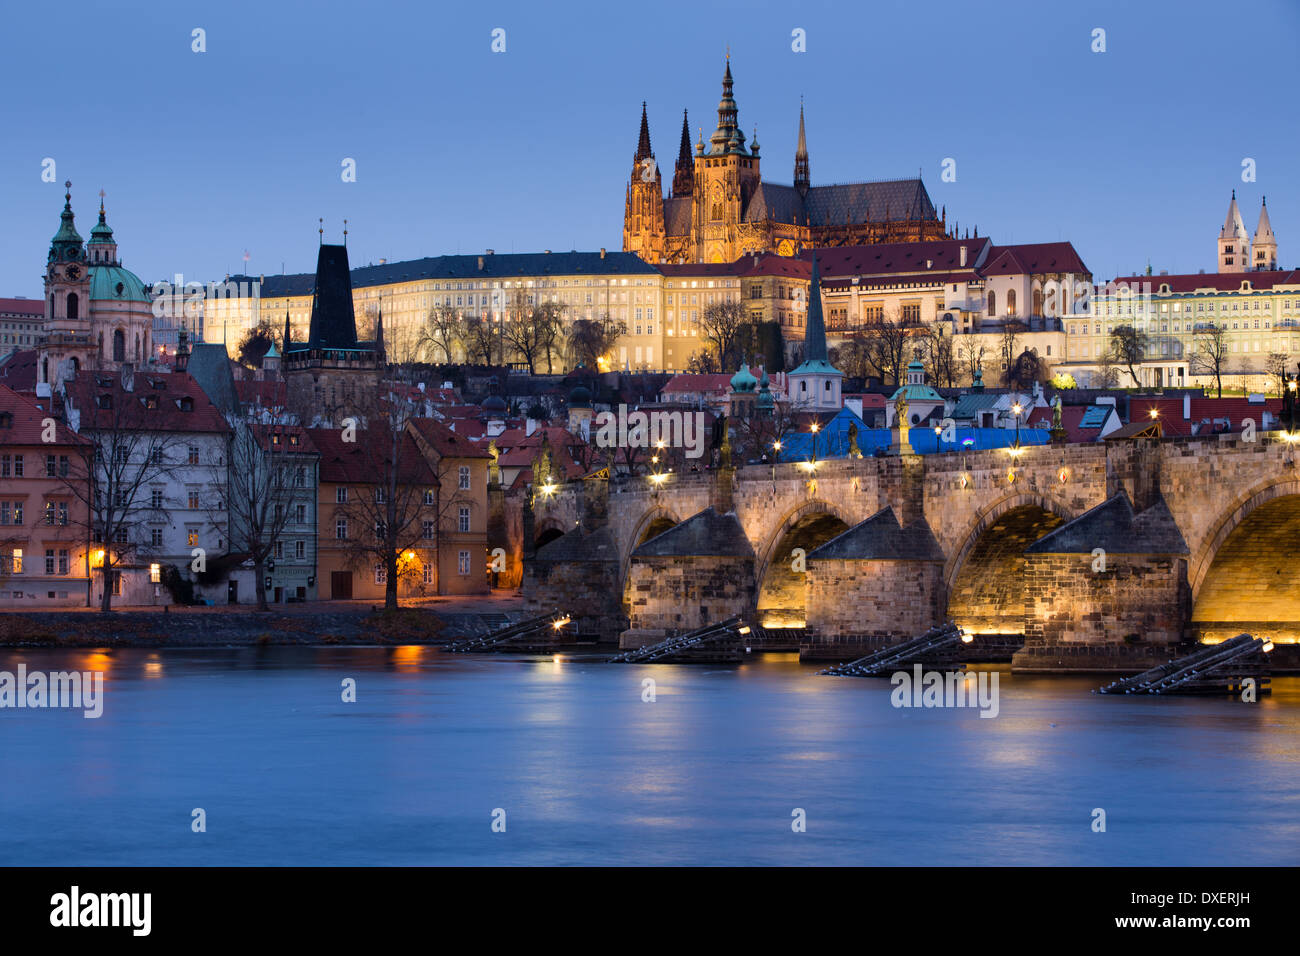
(801, 179)
(727, 137)
(684, 174)
(643, 143)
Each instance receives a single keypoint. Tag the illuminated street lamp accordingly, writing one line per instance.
(1016, 409)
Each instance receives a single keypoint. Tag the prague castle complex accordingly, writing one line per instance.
(720, 208)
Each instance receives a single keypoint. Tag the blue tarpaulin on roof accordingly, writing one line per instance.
(832, 439)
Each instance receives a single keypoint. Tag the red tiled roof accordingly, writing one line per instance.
(690, 382)
(18, 371)
(1213, 281)
(1032, 258)
(359, 462)
(447, 443)
(944, 255)
(266, 435)
(27, 424)
(168, 389)
(33, 308)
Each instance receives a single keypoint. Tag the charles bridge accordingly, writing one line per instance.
(1091, 556)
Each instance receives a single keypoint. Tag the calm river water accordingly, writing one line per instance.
(588, 772)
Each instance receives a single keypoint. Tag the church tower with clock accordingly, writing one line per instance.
(66, 345)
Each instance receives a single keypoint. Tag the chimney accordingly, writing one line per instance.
(491, 252)
(128, 377)
(1187, 406)
(546, 252)
(963, 256)
(530, 426)
(602, 252)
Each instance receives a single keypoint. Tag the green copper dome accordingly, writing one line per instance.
(113, 283)
(743, 380)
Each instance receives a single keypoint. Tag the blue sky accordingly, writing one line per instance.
(1131, 154)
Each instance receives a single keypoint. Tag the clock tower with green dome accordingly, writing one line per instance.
(67, 344)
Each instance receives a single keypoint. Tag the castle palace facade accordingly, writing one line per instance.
(719, 208)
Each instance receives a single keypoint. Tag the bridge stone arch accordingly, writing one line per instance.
(1233, 517)
(988, 516)
(807, 525)
(653, 522)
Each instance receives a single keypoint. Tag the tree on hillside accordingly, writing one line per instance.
(1277, 370)
(723, 327)
(1128, 346)
(255, 343)
(440, 335)
(970, 354)
(591, 340)
(940, 365)
(1211, 349)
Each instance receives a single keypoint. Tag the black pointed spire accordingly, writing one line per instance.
(684, 174)
(801, 178)
(643, 144)
(814, 338)
(287, 341)
(333, 323)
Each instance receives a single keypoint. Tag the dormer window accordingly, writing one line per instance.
(104, 401)
(150, 401)
(6, 420)
(186, 404)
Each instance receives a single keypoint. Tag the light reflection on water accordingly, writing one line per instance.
(589, 773)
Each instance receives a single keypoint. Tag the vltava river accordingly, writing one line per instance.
(587, 772)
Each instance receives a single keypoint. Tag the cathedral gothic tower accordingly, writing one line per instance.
(684, 174)
(643, 216)
(726, 176)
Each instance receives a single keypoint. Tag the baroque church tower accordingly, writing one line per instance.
(97, 314)
(66, 345)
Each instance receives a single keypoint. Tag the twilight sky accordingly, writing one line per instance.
(1131, 154)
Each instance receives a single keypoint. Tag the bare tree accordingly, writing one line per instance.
(702, 362)
(939, 355)
(269, 478)
(479, 339)
(1128, 346)
(721, 326)
(886, 340)
(532, 328)
(1009, 331)
(971, 355)
(1277, 368)
(442, 332)
(591, 340)
(1210, 341)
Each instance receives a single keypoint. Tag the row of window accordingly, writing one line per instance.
(463, 559)
(56, 561)
(428, 527)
